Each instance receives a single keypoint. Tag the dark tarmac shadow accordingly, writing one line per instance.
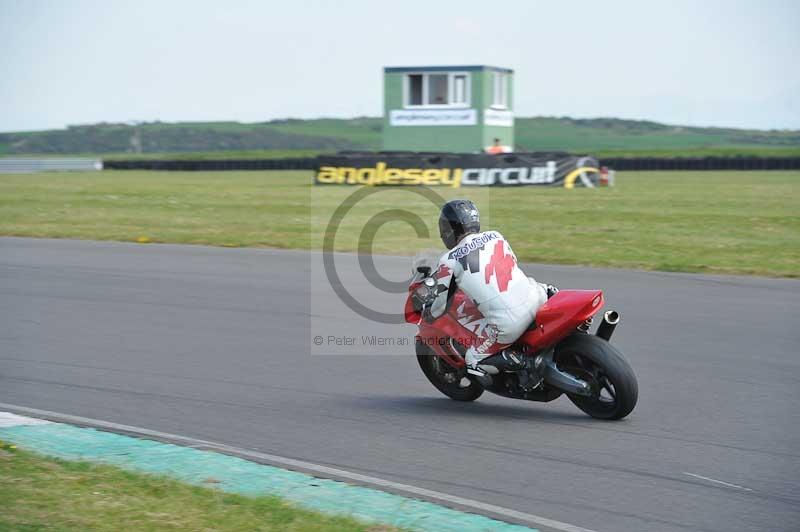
(433, 406)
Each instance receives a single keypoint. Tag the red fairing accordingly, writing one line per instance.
(411, 315)
(438, 333)
(435, 335)
(560, 316)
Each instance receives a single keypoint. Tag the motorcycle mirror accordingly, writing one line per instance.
(424, 270)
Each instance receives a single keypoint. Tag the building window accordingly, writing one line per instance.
(500, 90)
(415, 89)
(459, 89)
(437, 89)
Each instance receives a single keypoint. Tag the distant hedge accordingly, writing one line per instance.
(114, 138)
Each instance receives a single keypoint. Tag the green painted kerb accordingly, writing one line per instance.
(244, 477)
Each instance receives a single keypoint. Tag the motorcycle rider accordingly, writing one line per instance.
(484, 267)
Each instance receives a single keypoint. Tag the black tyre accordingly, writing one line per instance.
(444, 377)
(614, 387)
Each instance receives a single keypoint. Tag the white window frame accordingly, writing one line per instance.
(501, 79)
(451, 87)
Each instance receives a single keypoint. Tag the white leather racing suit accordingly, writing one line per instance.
(485, 268)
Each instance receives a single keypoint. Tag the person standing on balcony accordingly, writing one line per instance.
(496, 148)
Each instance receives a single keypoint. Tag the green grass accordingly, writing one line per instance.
(715, 222)
(38, 493)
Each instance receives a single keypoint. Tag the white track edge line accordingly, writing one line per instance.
(718, 481)
(308, 466)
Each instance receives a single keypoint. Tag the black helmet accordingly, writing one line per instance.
(458, 218)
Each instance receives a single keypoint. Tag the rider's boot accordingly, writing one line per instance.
(475, 371)
(473, 359)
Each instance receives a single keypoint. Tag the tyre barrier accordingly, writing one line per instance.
(701, 163)
(617, 163)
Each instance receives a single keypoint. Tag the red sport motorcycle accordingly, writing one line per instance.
(558, 353)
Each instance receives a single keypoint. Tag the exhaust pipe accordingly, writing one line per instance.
(607, 326)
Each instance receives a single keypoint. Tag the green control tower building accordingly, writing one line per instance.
(448, 109)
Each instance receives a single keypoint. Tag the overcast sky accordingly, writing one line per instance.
(721, 63)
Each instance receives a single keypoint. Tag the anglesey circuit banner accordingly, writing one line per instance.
(456, 170)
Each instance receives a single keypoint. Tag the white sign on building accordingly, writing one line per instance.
(433, 117)
(495, 117)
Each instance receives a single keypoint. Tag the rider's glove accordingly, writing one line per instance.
(424, 296)
(551, 290)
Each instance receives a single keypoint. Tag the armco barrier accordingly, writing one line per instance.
(25, 166)
(617, 163)
(305, 163)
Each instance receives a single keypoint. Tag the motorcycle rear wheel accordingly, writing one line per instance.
(444, 377)
(614, 386)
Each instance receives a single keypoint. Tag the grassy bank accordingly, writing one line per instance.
(604, 137)
(38, 493)
(721, 222)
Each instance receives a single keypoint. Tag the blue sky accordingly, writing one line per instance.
(720, 63)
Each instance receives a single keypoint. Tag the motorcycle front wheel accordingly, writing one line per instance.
(444, 377)
(594, 360)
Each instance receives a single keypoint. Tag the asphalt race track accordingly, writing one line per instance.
(212, 343)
